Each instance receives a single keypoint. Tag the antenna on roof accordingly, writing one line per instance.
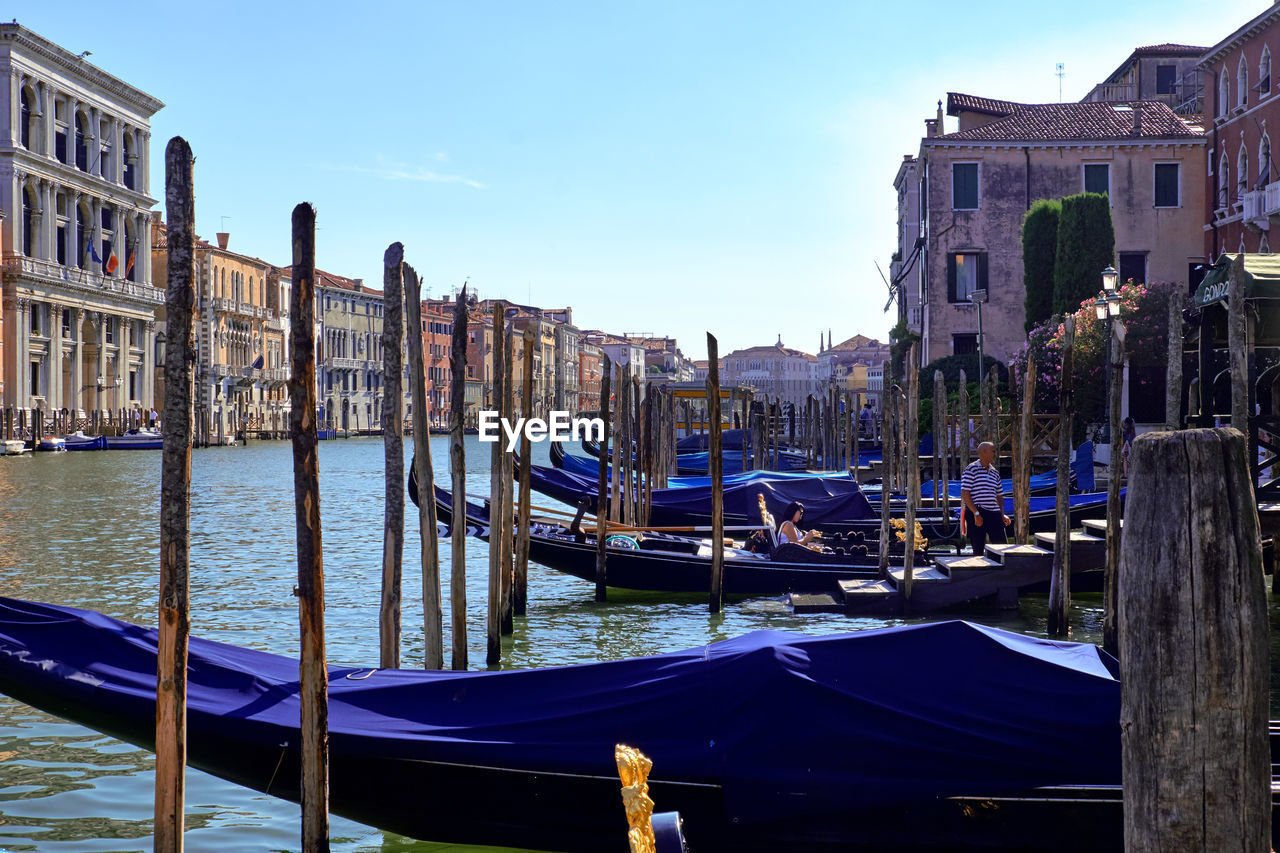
(1060, 71)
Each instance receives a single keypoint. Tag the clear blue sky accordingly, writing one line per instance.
(664, 167)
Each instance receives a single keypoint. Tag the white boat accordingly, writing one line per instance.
(50, 444)
(136, 439)
(14, 447)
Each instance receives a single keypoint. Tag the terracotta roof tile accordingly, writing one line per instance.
(1170, 49)
(1085, 121)
(958, 102)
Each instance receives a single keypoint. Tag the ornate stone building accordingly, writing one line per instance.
(79, 305)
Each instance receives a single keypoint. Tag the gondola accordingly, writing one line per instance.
(696, 462)
(669, 562)
(831, 504)
(941, 736)
(585, 466)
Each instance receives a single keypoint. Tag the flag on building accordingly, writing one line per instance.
(92, 253)
(113, 261)
(128, 267)
(257, 363)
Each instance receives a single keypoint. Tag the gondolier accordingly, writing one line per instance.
(982, 495)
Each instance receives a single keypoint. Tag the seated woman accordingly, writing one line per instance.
(788, 532)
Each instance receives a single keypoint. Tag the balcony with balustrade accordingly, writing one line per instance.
(74, 278)
(1262, 207)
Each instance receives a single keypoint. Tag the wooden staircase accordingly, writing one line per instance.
(999, 573)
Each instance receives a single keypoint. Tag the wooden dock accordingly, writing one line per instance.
(1000, 573)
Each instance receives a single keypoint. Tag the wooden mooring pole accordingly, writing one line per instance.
(888, 444)
(507, 624)
(602, 494)
(715, 465)
(393, 458)
(1022, 485)
(962, 438)
(520, 586)
(1173, 365)
(314, 675)
(424, 473)
(1194, 648)
(941, 485)
(458, 470)
(175, 503)
(913, 471)
(1115, 471)
(1060, 580)
(493, 622)
(1236, 344)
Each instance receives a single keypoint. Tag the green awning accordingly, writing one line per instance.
(1261, 281)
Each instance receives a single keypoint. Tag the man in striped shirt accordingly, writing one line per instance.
(981, 494)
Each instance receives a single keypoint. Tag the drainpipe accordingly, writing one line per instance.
(1027, 151)
(1217, 180)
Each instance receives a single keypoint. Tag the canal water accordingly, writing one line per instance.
(82, 529)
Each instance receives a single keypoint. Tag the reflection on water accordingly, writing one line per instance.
(83, 529)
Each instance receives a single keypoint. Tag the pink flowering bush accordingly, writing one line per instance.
(1145, 313)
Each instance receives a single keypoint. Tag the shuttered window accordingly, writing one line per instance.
(964, 186)
(1166, 189)
(1097, 178)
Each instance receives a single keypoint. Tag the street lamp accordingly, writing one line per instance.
(1106, 308)
(978, 297)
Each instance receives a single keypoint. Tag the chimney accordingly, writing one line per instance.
(931, 125)
(1137, 119)
(940, 126)
(223, 238)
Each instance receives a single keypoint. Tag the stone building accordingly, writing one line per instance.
(978, 182)
(773, 371)
(847, 363)
(437, 349)
(479, 389)
(241, 320)
(1242, 190)
(590, 374)
(1160, 72)
(621, 351)
(350, 371)
(905, 267)
(79, 305)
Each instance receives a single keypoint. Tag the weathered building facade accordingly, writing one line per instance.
(79, 305)
(978, 182)
(905, 267)
(1242, 187)
(1160, 72)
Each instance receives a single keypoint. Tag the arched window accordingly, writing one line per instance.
(82, 142)
(30, 208)
(1224, 180)
(1242, 83)
(1242, 174)
(28, 101)
(1264, 161)
(1223, 95)
(1264, 72)
(130, 161)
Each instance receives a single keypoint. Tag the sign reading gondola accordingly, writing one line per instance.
(1207, 295)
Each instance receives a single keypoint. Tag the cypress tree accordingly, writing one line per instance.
(1086, 246)
(1039, 250)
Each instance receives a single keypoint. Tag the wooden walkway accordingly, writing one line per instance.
(1000, 573)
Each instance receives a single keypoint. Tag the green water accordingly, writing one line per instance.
(82, 529)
